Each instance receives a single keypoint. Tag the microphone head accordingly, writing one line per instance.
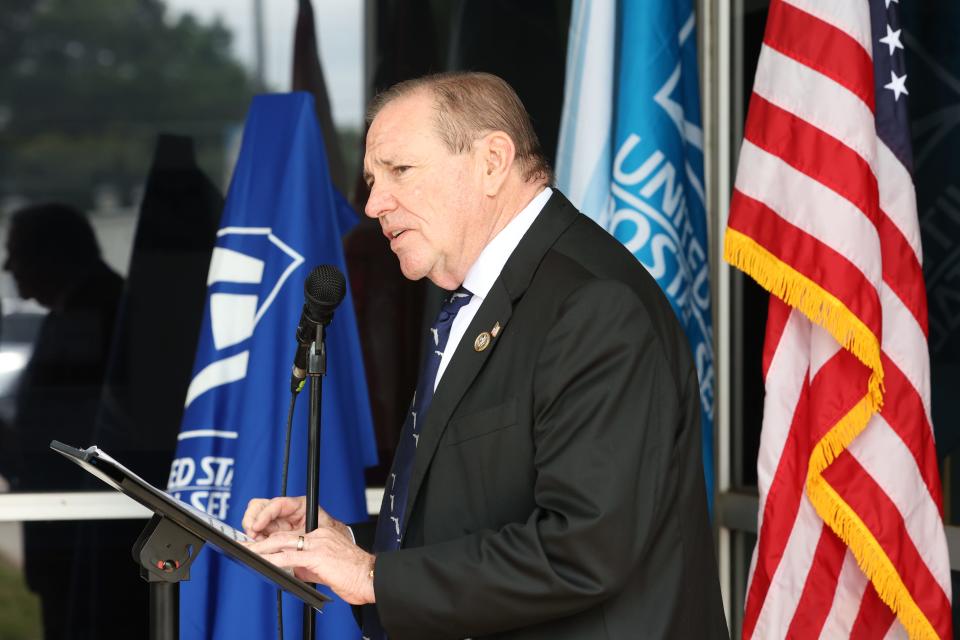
(324, 290)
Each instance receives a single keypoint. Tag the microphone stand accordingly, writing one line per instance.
(316, 369)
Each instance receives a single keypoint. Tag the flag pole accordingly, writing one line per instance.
(259, 47)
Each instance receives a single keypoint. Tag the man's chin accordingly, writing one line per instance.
(417, 271)
(412, 271)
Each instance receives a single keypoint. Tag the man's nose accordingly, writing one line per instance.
(380, 202)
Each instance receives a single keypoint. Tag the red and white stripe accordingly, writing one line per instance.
(820, 192)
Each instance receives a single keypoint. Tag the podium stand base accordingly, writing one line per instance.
(164, 552)
(164, 610)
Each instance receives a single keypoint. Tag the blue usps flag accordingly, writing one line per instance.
(282, 217)
(631, 155)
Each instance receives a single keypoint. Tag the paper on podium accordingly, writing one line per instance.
(222, 536)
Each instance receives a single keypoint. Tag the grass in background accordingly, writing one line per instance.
(19, 609)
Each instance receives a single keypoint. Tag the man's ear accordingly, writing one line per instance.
(497, 156)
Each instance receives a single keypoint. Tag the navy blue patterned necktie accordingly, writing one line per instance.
(390, 521)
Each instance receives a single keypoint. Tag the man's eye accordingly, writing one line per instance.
(400, 170)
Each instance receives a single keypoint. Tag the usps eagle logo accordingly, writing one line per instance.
(249, 266)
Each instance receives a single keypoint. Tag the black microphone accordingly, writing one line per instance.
(323, 291)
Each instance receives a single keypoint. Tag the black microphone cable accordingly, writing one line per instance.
(283, 493)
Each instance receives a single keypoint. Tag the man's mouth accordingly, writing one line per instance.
(397, 234)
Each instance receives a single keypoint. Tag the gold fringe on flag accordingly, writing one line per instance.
(815, 302)
(840, 436)
(872, 559)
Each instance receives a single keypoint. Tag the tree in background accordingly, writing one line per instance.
(85, 86)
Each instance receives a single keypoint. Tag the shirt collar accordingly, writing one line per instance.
(489, 264)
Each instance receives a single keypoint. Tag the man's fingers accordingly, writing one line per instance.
(266, 515)
(269, 516)
(260, 515)
(277, 516)
(318, 540)
(321, 556)
(277, 542)
(254, 507)
(287, 558)
(292, 560)
(265, 520)
(282, 559)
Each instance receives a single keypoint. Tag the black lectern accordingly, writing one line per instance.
(173, 538)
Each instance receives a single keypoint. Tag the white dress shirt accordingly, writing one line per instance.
(485, 271)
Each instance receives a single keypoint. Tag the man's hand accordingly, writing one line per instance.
(327, 556)
(265, 517)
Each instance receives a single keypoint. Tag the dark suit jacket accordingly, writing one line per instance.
(558, 488)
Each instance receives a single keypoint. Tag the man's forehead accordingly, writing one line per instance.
(399, 129)
(385, 150)
(406, 114)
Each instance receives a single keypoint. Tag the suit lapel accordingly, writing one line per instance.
(497, 307)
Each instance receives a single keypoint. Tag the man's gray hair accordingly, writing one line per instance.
(467, 106)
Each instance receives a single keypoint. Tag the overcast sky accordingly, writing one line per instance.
(339, 30)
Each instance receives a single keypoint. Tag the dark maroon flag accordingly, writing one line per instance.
(308, 76)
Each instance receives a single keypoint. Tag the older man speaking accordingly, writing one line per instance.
(548, 481)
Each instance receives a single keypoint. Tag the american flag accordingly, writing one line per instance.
(851, 540)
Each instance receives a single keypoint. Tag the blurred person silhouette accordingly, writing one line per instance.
(162, 305)
(158, 323)
(54, 258)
